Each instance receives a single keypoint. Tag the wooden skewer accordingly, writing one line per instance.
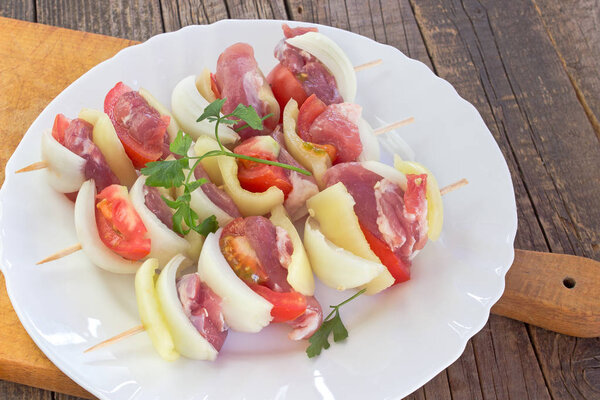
(395, 125)
(140, 328)
(130, 332)
(61, 254)
(368, 65)
(33, 167)
(454, 186)
(77, 247)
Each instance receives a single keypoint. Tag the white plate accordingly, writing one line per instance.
(398, 340)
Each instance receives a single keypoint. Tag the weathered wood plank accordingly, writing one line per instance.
(463, 378)
(256, 9)
(573, 27)
(10, 390)
(18, 9)
(571, 365)
(180, 13)
(502, 60)
(135, 20)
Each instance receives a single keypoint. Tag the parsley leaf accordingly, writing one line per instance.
(209, 225)
(181, 144)
(212, 110)
(195, 185)
(249, 115)
(167, 173)
(319, 341)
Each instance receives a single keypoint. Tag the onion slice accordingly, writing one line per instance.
(334, 266)
(164, 242)
(87, 233)
(188, 341)
(332, 57)
(242, 308)
(151, 315)
(368, 140)
(66, 170)
(188, 104)
(389, 173)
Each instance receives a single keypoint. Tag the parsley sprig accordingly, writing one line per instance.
(172, 173)
(332, 323)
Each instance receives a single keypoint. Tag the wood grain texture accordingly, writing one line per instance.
(253, 9)
(573, 28)
(488, 51)
(20, 9)
(180, 13)
(131, 19)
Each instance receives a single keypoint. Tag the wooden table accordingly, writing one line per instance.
(532, 69)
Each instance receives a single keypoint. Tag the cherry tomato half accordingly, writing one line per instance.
(285, 86)
(119, 225)
(256, 177)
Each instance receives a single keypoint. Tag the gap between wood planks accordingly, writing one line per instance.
(578, 92)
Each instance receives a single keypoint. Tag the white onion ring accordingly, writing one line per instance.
(386, 171)
(332, 57)
(66, 170)
(188, 104)
(164, 242)
(369, 142)
(242, 308)
(188, 341)
(87, 233)
(334, 266)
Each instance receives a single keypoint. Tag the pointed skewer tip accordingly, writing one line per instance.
(60, 254)
(130, 332)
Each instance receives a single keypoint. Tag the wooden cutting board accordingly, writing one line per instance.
(554, 291)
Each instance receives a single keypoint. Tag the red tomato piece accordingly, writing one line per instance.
(310, 110)
(61, 123)
(287, 306)
(140, 128)
(120, 227)
(399, 270)
(256, 177)
(285, 86)
(261, 177)
(242, 258)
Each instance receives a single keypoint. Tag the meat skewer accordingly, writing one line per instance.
(72, 249)
(117, 229)
(134, 129)
(388, 213)
(278, 290)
